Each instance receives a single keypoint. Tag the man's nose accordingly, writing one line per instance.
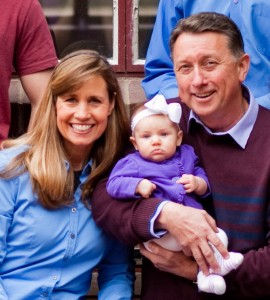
(199, 77)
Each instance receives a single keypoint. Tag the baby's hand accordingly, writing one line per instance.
(194, 184)
(190, 182)
(145, 188)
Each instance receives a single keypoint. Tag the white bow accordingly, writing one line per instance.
(158, 105)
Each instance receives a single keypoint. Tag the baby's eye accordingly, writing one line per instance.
(146, 136)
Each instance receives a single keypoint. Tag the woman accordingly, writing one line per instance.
(49, 243)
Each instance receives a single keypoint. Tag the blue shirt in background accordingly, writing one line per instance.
(250, 16)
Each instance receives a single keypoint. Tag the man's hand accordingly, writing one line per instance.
(194, 229)
(171, 261)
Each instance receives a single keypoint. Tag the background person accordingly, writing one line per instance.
(251, 18)
(27, 45)
(48, 238)
(225, 125)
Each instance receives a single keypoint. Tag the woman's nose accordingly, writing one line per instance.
(83, 111)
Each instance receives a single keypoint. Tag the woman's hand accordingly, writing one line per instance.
(171, 261)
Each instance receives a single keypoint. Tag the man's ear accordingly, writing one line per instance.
(243, 66)
(133, 141)
(179, 137)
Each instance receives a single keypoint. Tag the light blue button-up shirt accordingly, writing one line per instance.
(250, 16)
(50, 254)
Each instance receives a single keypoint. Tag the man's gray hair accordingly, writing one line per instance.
(210, 22)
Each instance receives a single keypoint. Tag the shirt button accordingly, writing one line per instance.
(73, 209)
(72, 235)
(54, 277)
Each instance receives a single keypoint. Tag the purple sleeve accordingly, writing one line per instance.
(128, 221)
(197, 169)
(124, 179)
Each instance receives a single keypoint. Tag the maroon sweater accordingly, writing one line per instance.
(240, 181)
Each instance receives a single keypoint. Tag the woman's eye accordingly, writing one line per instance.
(94, 100)
(71, 99)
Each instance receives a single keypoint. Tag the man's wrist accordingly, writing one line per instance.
(162, 219)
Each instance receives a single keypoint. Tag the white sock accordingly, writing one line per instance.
(233, 262)
(212, 283)
(227, 265)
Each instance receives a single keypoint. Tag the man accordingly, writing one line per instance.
(226, 127)
(251, 18)
(27, 45)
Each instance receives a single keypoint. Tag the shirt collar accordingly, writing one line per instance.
(86, 170)
(241, 131)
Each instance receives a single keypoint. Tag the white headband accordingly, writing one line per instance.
(157, 106)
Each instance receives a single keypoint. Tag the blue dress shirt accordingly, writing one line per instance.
(250, 16)
(50, 254)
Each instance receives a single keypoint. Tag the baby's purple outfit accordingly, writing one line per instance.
(130, 170)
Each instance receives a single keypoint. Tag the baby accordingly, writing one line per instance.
(164, 168)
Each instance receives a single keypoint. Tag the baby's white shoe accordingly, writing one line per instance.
(227, 265)
(212, 283)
